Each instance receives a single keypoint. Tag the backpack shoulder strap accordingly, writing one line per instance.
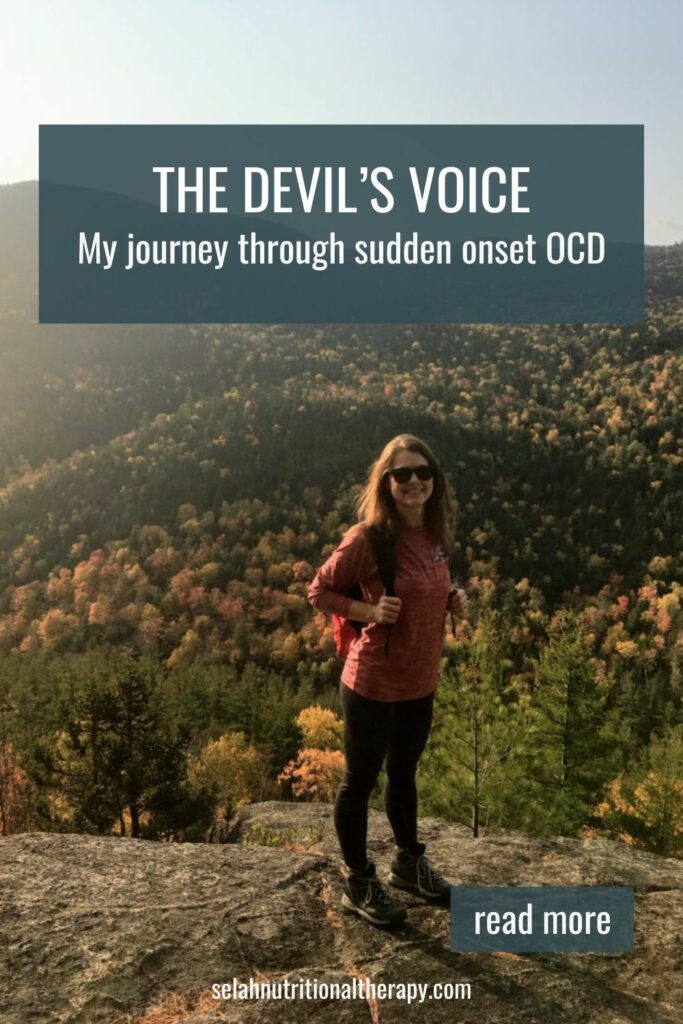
(383, 545)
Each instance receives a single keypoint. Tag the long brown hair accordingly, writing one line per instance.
(376, 506)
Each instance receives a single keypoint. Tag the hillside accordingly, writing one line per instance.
(166, 494)
(101, 930)
(105, 429)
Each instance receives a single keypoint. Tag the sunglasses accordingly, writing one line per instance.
(404, 473)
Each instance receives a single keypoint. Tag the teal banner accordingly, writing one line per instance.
(542, 919)
(341, 224)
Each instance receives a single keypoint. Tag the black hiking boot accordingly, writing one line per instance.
(413, 871)
(365, 895)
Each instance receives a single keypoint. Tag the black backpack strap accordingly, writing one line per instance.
(383, 544)
(384, 549)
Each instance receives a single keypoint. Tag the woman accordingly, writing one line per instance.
(390, 672)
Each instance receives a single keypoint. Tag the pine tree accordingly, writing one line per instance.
(571, 749)
(468, 770)
(644, 807)
(114, 760)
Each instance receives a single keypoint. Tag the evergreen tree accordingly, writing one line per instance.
(114, 760)
(571, 750)
(72, 768)
(468, 770)
(644, 807)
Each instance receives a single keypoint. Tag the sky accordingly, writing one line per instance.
(350, 62)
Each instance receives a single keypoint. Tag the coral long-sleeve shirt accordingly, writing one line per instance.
(410, 668)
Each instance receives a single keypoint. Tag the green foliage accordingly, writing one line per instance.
(470, 768)
(570, 753)
(644, 807)
(111, 762)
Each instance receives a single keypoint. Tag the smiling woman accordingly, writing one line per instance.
(387, 691)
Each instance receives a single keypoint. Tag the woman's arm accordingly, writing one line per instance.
(385, 611)
(346, 566)
(352, 561)
(360, 612)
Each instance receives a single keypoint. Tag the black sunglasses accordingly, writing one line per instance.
(404, 473)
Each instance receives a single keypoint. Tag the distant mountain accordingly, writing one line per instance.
(19, 248)
(19, 253)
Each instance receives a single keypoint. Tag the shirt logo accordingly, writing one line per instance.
(439, 554)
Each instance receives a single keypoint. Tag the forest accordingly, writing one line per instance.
(167, 493)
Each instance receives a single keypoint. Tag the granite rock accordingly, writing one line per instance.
(99, 930)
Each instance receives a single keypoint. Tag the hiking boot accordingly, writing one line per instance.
(413, 871)
(365, 895)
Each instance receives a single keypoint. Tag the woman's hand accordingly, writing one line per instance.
(457, 602)
(386, 610)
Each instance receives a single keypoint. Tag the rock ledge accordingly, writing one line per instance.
(96, 930)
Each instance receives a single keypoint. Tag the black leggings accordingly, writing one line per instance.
(374, 730)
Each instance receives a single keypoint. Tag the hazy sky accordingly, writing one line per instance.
(375, 61)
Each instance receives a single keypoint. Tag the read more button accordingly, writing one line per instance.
(542, 919)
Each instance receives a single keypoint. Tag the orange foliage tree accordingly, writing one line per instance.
(644, 807)
(317, 770)
(15, 793)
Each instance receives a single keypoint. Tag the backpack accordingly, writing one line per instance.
(383, 548)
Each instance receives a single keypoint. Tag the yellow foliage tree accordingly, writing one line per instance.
(321, 728)
(316, 772)
(232, 770)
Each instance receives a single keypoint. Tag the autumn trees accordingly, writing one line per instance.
(166, 496)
